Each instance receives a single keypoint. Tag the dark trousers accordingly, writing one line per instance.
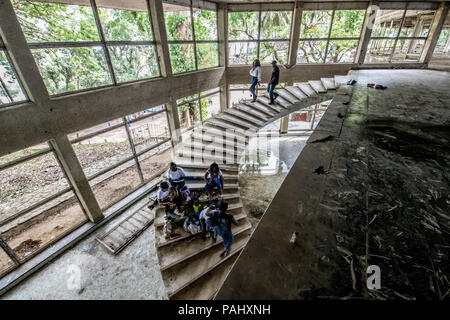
(270, 89)
(253, 87)
(178, 185)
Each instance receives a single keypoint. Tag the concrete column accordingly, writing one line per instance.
(222, 32)
(366, 33)
(173, 120)
(21, 56)
(284, 123)
(295, 34)
(74, 172)
(159, 32)
(435, 31)
(417, 31)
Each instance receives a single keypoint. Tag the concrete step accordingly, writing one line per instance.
(162, 241)
(178, 252)
(261, 107)
(317, 86)
(216, 139)
(251, 110)
(245, 116)
(307, 89)
(265, 101)
(234, 120)
(340, 80)
(225, 126)
(287, 95)
(183, 274)
(280, 101)
(204, 166)
(328, 83)
(209, 147)
(207, 286)
(296, 92)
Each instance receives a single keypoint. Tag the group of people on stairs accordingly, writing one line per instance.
(255, 72)
(207, 217)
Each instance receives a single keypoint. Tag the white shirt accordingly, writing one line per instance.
(256, 73)
(203, 214)
(162, 194)
(177, 175)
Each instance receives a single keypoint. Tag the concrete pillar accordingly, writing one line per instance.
(295, 34)
(284, 123)
(366, 33)
(222, 32)
(21, 56)
(75, 174)
(162, 47)
(417, 31)
(435, 30)
(159, 31)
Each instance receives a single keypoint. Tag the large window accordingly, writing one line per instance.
(192, 37)
(119, 156)
(399, 35)
(37, 204)
(329, 36)
(10, 89)
(262, 35)
(198, 107)
(79, 47)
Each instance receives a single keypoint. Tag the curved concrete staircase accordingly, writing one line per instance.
(195, 270)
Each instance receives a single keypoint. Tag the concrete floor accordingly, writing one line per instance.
(134, 273)
(371, 187)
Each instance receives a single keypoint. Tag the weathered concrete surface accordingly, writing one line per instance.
(370, 188)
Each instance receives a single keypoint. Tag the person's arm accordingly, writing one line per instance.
(206, 177)
(183, 174)
(221, 180)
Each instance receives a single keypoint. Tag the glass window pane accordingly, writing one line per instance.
(134, 62)
(182, 57)
(210, 106)
(205, 24)
(243, 25)
(29, 182)
(149, 131)
(11, 90)
(276, 24)
(416, 23)
(70, 69)
(155, 161)
(242, 52)
(347, 23)
(315, 24)
(270, 51)
(207, 55)
(120, 25)
(379, 51)
(340, 51)
(180, 101)
(102, 151)
(301, 120)
(443, 44)
(44, 225)
(91, 130)
(115, 184)
(54, 22)
(178, 22)
(387, 23)
(311, 51)
(5, 261)
(189, 114)
(408, 50)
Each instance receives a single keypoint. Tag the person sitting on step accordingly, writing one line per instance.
(176, 176)
(214, 179)
(205, 218)
(161, 196)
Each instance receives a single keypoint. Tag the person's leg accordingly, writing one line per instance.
(152, 206)
(218, 184)
(270, 90)
(253, 88)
